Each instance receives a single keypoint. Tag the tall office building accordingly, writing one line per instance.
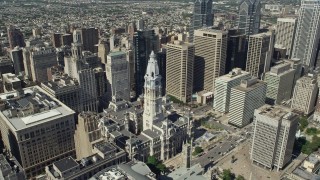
(260, 50)
(279, 83)
(273, 136)
(56, 40)
(78, 67)
(66, 40)
(249, 17)
(244, 99)
(305, 94)
(103, 51)
(202, 16)
(64, 88)
(180, 59)
(140, 24)
(236, 51)
(223, 85)
(26, 62)
(210, 58)
(162, 63)
(89, 38)
(87, 133)
(143, 43)
(117, 71)
(17, 59)
(40, 60)
(285, 32)
(15, 37)
(308, 33)
(36, 128)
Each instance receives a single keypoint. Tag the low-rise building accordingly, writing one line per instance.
(106, 155)
(36, 128)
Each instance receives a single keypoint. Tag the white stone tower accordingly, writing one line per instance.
(152, 94)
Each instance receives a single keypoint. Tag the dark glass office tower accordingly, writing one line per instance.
(143, 43)
(236, 51)
(249, 17)
(202, 16)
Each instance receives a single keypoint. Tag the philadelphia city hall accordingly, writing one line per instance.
(149, 126)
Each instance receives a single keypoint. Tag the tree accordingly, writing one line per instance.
(239, 177)
(197, 150)
(152, 160)
(312, 131)
(303, 123)
(161, 167)
(227, 175)
(155, 166)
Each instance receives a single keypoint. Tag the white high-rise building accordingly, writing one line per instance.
(307, 33)
(152, 94)
(305, 94)
(210, 57)
(244, 99)
(117, 71)
(285, 32)
(223, 85)
(279, 83)
(260, 51)
(273, 136)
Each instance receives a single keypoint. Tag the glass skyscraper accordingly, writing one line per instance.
(307, 33)
(202, 16)
(249, 17)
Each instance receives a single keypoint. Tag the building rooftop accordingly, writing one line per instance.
(210, 30)
(105, 147)
(116, 53)
(234, 74)
(249, 84)
(280, 69)
(132, 170)
(277, 112)
(65, 164)
(30, 107)
(193, 173)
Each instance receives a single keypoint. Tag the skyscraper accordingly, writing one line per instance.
(260, 50)
(244, 99)
(162, 63)
(143, 43)
(305, 94)
(15, 37)
(279, 83)
(308, 33)
(56, 39)
(89, 38)
(76, 66)
(249, 17)
(223, 85)
(202, 16)
(236, 51)
(210, 57)
(40, 60)
(286, 28)
(180, 59)
(273, 136)
(117, 71)
(17, 59)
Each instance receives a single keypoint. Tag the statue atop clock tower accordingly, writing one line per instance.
(152, 94)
